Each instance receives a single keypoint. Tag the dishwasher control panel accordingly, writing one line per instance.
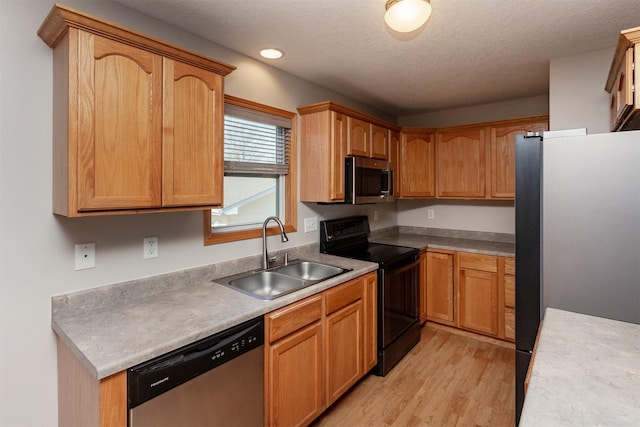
(154, 377)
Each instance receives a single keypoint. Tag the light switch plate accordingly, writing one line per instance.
(85, 256)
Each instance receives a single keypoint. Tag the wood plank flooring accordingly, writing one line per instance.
(448, 379)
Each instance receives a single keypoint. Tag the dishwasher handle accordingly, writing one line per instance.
(154, 377)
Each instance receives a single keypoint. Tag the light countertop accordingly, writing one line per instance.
(115, 327)
(586, 373)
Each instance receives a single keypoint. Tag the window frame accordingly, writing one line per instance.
(290, 202)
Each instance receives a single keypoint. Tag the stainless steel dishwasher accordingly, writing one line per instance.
(216, 381)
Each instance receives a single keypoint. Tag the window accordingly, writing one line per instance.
(259, 172)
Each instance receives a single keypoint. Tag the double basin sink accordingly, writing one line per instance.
(278, 281)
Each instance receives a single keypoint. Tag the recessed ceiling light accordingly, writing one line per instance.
(271, 53)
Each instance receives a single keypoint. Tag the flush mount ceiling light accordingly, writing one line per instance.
(405, 16)
(271, 53)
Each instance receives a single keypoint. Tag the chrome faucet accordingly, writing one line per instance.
(283, 236)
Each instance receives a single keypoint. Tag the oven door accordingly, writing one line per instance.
(398, 305)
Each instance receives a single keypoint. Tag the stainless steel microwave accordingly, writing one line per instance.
(368, 180)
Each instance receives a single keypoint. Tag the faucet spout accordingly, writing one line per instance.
(283, 238)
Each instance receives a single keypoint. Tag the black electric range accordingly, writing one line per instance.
(398, 284)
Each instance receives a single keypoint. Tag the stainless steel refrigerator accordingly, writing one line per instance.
(577, 232)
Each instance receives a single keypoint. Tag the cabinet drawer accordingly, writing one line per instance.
(510, 266)
(289, 319)
(479, 262)
(510, 291)
(510, 324)
(344, 295)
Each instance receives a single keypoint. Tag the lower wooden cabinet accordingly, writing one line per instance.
(440, 290)
(509, 299)
(470, 291)
(318, 348)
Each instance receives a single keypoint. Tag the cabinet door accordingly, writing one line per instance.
(358, 140)
(344, 349)
(503, 157)
(478, 301)
(338, 151)
(379, 142)
(439, 270)
(461, 163)
(193, 141)
(118, 125)
(417, 156)
(370, 321)
(423, 288)
(394, 158)
(294, 393)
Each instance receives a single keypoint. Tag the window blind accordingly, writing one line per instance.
(255, 142)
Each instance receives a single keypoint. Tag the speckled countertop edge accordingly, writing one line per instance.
(586, 372)
(453, 240)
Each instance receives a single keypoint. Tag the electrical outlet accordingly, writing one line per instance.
(431, 214)
(150, 247)
(85, 256)
(310, 224)
(375, 215)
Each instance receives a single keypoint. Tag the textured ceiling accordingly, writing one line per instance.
(470, 52)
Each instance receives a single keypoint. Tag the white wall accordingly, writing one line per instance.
(489, 216)
(533, 106)
(577, 97)
(36, 247)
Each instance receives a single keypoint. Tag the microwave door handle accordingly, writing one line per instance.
(387, 175)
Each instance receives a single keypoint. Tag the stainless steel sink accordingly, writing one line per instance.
(308, 270)
(267, 284)
(279, 281)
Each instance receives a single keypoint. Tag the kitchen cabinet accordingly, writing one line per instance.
(379, 142)
(370, 321)
(440, 288)
(367, 139)
(323, 150)
(509, 283)
(344, 345)
(477, 304)
(137, 122)
(623, 75)
(416, 175)
(359, 138)
(394, 158)
(85, 401)
(329, 133)
(317, 349)
(294, 363)
(502, 144)
(460, 162)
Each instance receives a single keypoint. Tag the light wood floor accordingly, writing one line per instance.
(448, 379)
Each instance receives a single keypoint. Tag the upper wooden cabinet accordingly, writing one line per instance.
(330, 132)
(501, 177)
(622, 83)
(379, 142)
(137, 122)
(415, 172)
(460, 162)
